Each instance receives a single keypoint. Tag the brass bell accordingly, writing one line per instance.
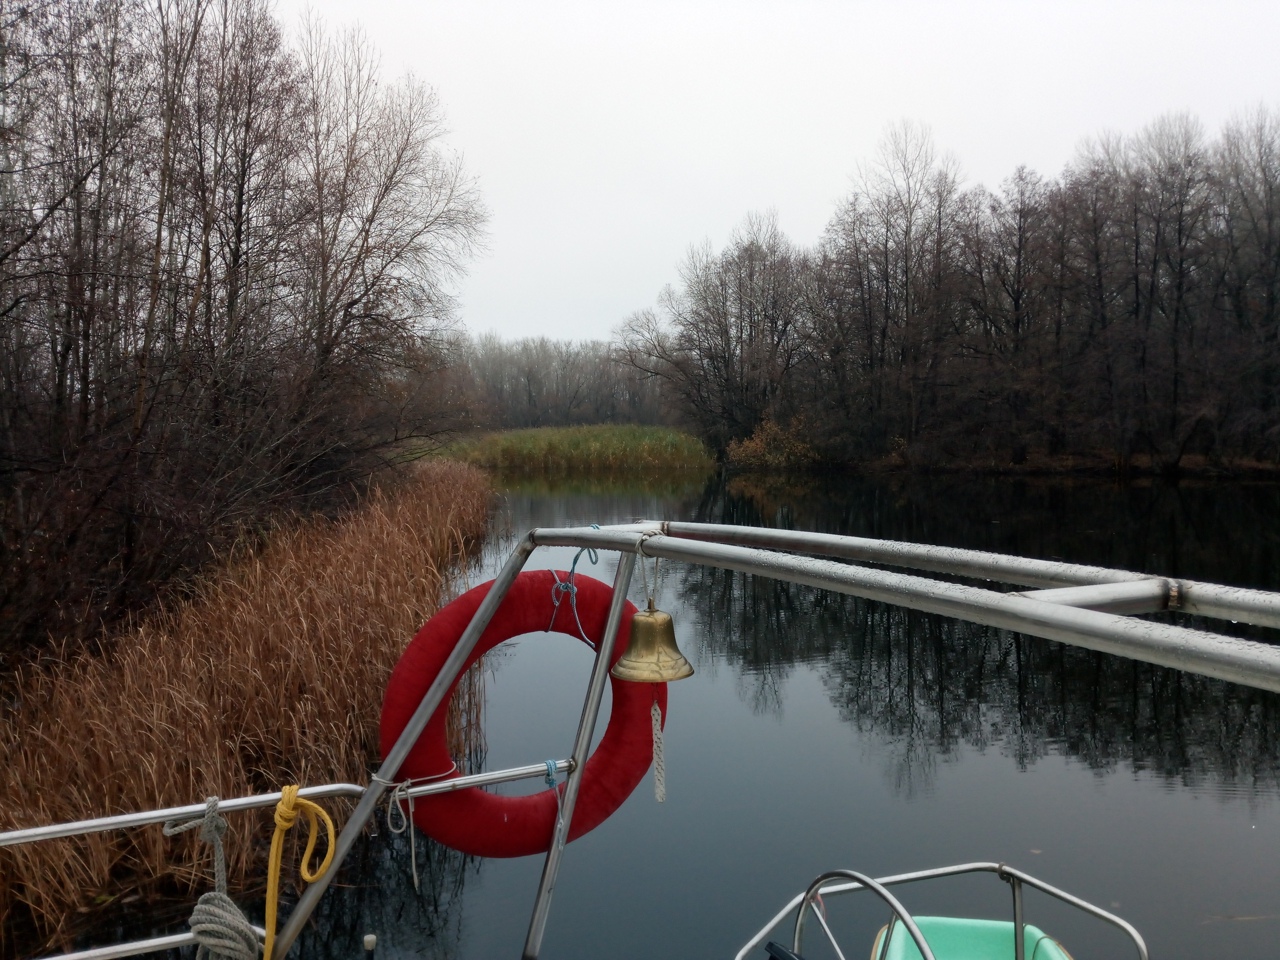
(652, 655)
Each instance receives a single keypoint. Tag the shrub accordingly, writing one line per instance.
(771, 447)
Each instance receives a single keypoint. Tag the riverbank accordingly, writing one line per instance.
(270, 674)
(1075, 465)
(774, 448)
(604, 451)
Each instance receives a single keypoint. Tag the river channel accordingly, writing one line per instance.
(821, 731)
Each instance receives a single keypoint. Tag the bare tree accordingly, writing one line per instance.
(1126, 310)
(730, 336)
(537, 382)
(223, 285)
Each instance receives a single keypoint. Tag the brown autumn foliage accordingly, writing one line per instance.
(772, 447)
(271, 674)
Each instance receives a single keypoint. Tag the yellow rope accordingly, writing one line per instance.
(287, 811)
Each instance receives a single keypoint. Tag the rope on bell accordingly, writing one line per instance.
(659, 767)
(655, 712)
(649, 595)
(220, 928)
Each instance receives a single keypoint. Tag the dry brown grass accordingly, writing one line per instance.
(273, 673)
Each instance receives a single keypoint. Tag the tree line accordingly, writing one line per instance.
(1127, 310)
(539, 382)
(224, 260)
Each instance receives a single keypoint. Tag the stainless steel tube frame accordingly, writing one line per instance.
(409, 736)
(864, 882)
(581, 745)
(258, 801)
(154, 945)
(1213, 655)
(1021, 878)
(1019, 941)
(1131, 596)
(999, 869)
(139, 947)
(1258, 607)
(978, 564)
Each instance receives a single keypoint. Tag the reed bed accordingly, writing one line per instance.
(272, 673)
(602, 450)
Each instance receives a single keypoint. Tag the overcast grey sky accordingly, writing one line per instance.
(607, 137)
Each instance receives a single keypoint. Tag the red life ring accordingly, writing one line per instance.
(484, 824)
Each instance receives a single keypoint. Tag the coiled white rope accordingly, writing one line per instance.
(221, 929)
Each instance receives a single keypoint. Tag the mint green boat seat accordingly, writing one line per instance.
(953, 938)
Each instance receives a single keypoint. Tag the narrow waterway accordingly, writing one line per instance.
(821, 731)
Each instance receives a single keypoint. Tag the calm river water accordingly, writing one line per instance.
(821, 731)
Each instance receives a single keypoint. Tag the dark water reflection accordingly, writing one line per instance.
(950, 723)
(1224, 532)
(930, 686)
(376, 893)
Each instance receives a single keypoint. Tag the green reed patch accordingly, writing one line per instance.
(605, 450)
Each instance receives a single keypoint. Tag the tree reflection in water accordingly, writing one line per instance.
(374, 893)
(929, 687)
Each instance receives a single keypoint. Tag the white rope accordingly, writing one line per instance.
(221, 929)
(399, 793)
(397, 820)
(655, 712)
(659, 769)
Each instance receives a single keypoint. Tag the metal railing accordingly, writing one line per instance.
(258, 801)
(1087, 606)
(1076, 616)
(802, 903)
